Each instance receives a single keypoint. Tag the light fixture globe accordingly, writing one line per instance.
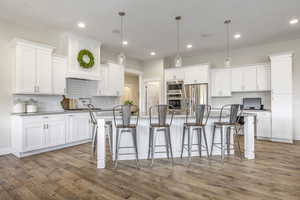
(121, 59)
(178, 61)
(227, 62)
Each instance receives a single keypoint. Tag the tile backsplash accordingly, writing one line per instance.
(237, 98)
(76, 89)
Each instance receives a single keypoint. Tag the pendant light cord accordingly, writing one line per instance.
(227, 22)
(122, 32)
(178, 37)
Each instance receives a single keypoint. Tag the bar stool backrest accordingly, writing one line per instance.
(235, 112)
(200, 111)
(125, 112)
(162, 111)
(92, 115)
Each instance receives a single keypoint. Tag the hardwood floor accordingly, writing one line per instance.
(71, 174)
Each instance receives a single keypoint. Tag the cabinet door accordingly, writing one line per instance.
(34, 136)
(44, 73)
(78, 128)
(282, 121)
(56, 132)
(282, 75)
(263, 78)
(102, 86)
(249, 79)
(116, 79)
(25, 75)
(175, 74)
(195, 74)
(263, 125)
(59, 69)
(221, 83)
(237, 80)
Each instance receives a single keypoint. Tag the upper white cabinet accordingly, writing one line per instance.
(220, 82)
(263, 78)
(172, 74)
(282, 74)
(59, 69)
(74, 45)
(196, 74)
(244, 79)
(31, 63)
(112, 80)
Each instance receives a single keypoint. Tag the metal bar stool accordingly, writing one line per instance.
(226, 127)
(108, 129)
(160, 125)
(202, 113)
(123, 127)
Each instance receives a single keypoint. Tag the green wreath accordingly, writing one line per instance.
(82, 62)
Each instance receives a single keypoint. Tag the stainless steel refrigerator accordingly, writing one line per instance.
(195, 94)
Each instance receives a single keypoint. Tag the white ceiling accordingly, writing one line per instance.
(150, 24)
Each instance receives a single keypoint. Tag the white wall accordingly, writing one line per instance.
(256, 54)
(53, 37)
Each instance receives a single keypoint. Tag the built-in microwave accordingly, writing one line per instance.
(175, 94)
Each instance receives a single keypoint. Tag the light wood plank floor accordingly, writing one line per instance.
(71, 174)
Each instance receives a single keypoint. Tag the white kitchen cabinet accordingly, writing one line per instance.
(34, 137)
(220, 82)
(263, 78)
(59, 69)
(173, 74)
(112, 80)
(55, 131)
(36, 134)
(243, 79)
(196, 74)
(264, 125)
(31, 63)
(43, 71)
(78, 127)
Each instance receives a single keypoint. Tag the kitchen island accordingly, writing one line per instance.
(176, 138)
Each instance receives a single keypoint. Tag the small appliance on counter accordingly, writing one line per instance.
(252, 104)
(31, 106)
(19, 106)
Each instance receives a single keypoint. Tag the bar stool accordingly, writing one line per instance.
(124, 127)
(202, 113)
(226, 127)
(160, 125)
(108, 129)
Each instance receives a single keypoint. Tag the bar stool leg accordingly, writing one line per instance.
(213, 141)
(117, 147)
(133, 131)
(238, 143)
(153, 147)
(205, 141)
(150, 142)
(200, 136)
(183, 139)
(189, 143)
(170, 144)
(199, 142)
(223, 130)
(228, 132)
(167, 143)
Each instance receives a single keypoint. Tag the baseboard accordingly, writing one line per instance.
(5, 151)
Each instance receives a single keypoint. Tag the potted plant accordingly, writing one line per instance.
(133, 109)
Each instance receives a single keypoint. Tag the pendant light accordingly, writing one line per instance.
(227, 59)
(178, 58)
(121, 56)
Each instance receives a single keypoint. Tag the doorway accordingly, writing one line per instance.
(131, 89)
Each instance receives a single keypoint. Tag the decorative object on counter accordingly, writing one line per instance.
(65, 103)
(19, 106)
(227, 59)
(31, 106)
(178, 58)
(134, 109)
(121, 56)
(86, 59)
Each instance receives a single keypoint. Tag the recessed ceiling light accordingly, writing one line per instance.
(81, 25)
(152, 53)
(294, 21)
(189, 46)
(237, 36)
(125, 42)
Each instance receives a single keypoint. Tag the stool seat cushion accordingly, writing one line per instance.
(193, 124)
(159, 125)
(128, 126)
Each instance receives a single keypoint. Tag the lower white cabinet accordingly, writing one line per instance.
(264, 125)
(36, 134)
(78, 127)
